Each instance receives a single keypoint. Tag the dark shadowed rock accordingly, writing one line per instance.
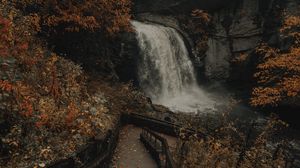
(177, 6)
(129, 52)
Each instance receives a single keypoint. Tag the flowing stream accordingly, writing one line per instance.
(165, 71)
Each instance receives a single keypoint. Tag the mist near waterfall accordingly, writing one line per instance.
(165, 71)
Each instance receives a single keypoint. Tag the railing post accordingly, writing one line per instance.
(161, 146)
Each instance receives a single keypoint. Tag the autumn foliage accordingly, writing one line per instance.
(231, 144)
(43, 97)
(198, 24)
(72, 15)
(278, 73)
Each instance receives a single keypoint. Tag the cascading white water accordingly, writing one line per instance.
(166, 73)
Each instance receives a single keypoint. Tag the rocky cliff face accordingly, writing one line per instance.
(239, 29)
(239, 26)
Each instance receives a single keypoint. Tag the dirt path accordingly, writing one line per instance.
(130, 152)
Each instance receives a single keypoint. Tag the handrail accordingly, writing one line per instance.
(174, 127)
(161, 146)
(105, 146)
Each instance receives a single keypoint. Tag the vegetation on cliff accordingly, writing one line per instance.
(91, 15)
(47, 110)
(278, 73)
(198, 25)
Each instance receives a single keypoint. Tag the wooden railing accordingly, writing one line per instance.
(158, 148)
(98, 153)
(157, 125)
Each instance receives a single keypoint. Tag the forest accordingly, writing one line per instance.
(146, 84)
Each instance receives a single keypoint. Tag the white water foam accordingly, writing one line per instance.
(166, 73)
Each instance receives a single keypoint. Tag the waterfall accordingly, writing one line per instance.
(165, 71)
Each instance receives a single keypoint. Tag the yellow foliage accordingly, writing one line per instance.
(290, 22)
(278, 74)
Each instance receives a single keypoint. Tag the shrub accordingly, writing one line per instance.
(231, 146)
(278, 74)
(73, 15)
